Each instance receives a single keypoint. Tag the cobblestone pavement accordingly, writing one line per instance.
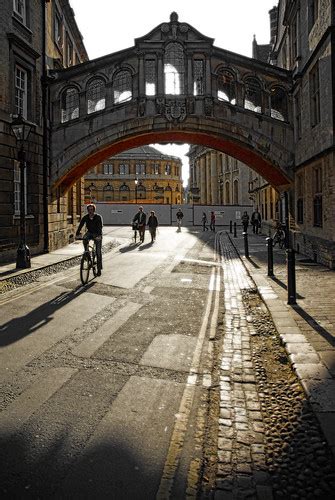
(273, 441)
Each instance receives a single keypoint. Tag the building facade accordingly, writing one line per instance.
(217, 179)
(139, 175)
(35, 36)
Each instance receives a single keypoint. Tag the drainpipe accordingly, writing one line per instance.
(45, 152)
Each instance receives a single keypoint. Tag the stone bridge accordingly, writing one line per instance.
(173, 85)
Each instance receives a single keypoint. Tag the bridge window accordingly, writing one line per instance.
(70, 105)
(198, 76)
(123, 169)
(278, 104)
(174, 69)
(226, 87)
(122, 87)
(253, 95)
(150, 77)
(95, 96)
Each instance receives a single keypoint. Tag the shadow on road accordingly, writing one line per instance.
(21, 326)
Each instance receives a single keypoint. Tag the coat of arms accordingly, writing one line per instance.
(175, 110)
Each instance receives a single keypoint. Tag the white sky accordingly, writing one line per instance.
(111, 25)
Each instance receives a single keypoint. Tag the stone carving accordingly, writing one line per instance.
(208, 106)
(175, 110)
(141, 107)
(190, 105)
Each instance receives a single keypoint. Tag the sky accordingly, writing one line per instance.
(108, 26)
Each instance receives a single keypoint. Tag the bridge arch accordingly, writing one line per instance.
(139, 108)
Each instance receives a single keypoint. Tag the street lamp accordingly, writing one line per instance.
(21, 129)
(136, 182)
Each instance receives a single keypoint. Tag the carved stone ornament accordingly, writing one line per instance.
(175, 110)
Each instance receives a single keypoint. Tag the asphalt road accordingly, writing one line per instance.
(102, 386)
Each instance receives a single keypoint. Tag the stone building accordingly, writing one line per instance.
(141, 174)
(302, 42)
(35, 36)
(217, 179)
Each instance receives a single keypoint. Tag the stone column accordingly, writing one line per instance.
(202, 166)
(214, 178)
(208, 179)
(160, 75)
(141, 76)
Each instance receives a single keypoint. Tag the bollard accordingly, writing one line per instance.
(269, 243)
(291, 289)
(231, 226)
(246, 245)
(235, 235)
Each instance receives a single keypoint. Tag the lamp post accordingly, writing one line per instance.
(21, 129)
(136, 182)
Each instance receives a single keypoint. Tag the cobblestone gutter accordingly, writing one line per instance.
(269, 442)
(31, 276)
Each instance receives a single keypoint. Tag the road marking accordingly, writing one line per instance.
(20, 410)
(99, 337)
(182, 417)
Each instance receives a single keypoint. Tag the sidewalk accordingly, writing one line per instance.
(307, 329)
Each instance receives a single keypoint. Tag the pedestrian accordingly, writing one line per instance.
(256, 221)
(140, 218)
(212, 222)
(94, 224)
(204, 221)
(245, 221)
(152, 225)
(179, 216)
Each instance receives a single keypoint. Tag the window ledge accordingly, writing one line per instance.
(18, 217)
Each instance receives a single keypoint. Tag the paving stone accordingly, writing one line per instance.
(312, 370)
(288, 338)
(322, 394)
(304, 358)
(327, 421)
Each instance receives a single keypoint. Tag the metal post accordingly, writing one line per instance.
(231, 226)
(23, 252)
(246, 245)
(291, 288)
(235, 235)
(269, 243)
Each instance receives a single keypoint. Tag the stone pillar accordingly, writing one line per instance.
(208, 179)
(141, 76)
(214, 178)
(160, 75)
(202, 167)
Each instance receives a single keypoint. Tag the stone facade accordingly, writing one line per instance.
(304, 44)
(158, 178)
(23, 45)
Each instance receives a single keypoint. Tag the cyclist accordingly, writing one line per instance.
(140, 218)
(279, 235)
(94, 224)
(179, 216)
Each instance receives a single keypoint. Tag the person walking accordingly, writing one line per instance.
(179, 216)
(256, 221)
(140, 218)
(212, 222)
(245, 221)
(152, 225)
(204, 221)
(94, 225)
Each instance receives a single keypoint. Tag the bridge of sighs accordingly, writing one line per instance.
(173, 85)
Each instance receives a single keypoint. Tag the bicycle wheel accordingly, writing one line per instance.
(85, 265)
(94, 263)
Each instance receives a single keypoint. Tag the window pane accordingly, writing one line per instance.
(70, 105)
(122, 87)
(174, 69)
(198, 77)
(95, 96)
(150, 77)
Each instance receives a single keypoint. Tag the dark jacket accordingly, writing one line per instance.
(179, 214)
(152, 221)
(140, 218)
(93, 226)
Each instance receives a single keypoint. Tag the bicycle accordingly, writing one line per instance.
(88, 262)
(279, 237)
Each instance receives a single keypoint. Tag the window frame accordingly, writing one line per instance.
(21, 110)
(22, 17)
(314, 95)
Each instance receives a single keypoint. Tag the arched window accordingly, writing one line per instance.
(70, 104)
(141, 192)
(96, 95)
(174, 69)
(235, 192)
(124, 192)
(226, 86)
(278, 103)
(253, 95)
(122, 87)
(108, 192)
(227, 193)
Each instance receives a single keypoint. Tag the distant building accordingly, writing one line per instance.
(143, 175)
(217, 179)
